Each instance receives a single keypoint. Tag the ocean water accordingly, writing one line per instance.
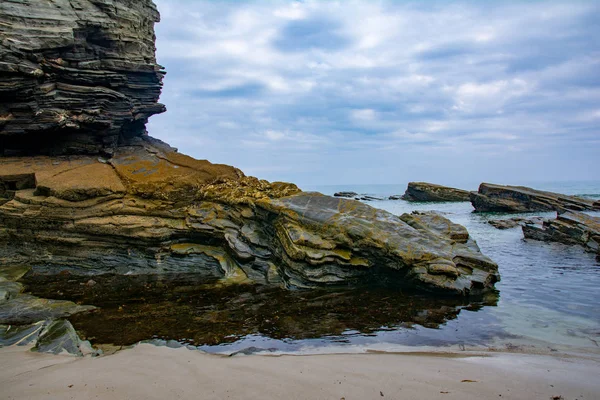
(548, 296)
(547, 299)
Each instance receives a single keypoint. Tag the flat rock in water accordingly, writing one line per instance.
(569, 227)
(499, 198)
(349, 195)
(424, 192)
(514, 222)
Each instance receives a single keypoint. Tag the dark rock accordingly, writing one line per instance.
(59, 337)
(514, 222)
(9, 290)
(26, 309)
(251, 350)
(349, 195)
(570, 227)
(76, 77)
(20, 335)
(395, 197)
(423, 191)
(498, 198)
(368, 198)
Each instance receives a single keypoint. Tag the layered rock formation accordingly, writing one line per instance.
(569, 227)
(76, 76)
(510, 223)
(498, 198)
(91, 194)
(151, 209)
(423, 191)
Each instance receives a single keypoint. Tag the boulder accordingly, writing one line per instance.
(59, 337)
(423, 191)
(569, 227)
(499, 198)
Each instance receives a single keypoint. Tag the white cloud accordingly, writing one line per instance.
(366, 114)
(388, 83)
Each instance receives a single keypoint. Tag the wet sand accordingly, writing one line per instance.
(150, 372)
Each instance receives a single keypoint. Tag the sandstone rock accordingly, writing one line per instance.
(498, 198)
(514, 222)
(423, 191)
(232, 227)
(76, 76)
(569, 227)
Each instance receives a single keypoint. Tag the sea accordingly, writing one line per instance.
(548, 300)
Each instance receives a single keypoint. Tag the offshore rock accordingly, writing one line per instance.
(149, 209)
(510, 223)
(76, 76)
(569, 227)
(499, 198)
(423, 191)
(349, 195)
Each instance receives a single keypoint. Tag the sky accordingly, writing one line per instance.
(384, 92)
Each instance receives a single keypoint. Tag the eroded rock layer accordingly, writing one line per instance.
(76, 76)
(423, 191)
(569, 227)
(151, 209)
(499, 198)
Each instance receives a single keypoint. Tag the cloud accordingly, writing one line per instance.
(359, 91)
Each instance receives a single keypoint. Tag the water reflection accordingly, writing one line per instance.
(180, 307)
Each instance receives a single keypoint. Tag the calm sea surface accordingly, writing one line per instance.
(549, 297)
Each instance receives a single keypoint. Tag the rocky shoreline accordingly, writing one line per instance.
(86, 194)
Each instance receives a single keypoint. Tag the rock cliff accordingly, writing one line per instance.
(499, 198)
(86, 192)
(76, 76)
(423, 191)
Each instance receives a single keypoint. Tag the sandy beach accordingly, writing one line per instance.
(151, 372)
